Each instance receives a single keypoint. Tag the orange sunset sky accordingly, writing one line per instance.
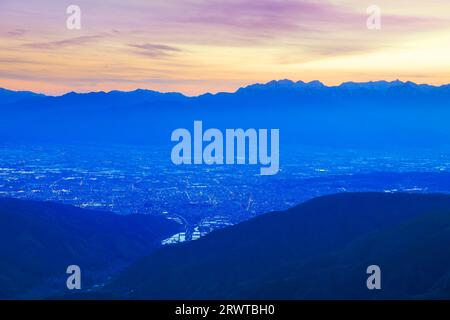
(197, 46)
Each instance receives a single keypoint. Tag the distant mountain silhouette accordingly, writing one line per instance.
(317, 250)
(39, 240)
(352, 114)
(9, 96)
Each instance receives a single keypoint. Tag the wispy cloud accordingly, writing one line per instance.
(156, 51)
(16, 61)
(64, 43)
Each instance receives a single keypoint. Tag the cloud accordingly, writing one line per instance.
(17, 32)
(226, 42)
(64, 43)
(156, 51)
(15, 61)
(252, 15)
(250, 19)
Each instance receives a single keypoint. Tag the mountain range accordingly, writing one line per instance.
(352, 114)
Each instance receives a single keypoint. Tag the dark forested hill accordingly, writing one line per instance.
(38, 240)
(319, 249)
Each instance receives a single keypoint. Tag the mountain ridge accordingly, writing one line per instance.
(304, 252)
(378, 113)
(282, 83)
(39, 240)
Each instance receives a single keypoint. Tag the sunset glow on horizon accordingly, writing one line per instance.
(198, 46)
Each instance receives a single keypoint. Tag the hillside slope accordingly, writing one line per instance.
(319, 249)
(38, 240)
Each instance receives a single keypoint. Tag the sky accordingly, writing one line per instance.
(198, 46)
